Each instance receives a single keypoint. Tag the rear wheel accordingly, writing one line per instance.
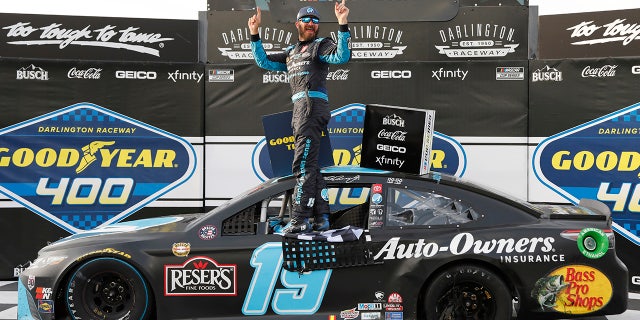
(107, 288)
(467, 292)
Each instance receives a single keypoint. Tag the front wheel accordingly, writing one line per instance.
(107, 288)
(467, 292)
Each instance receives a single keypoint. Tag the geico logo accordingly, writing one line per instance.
(635, 69)
(122, 158)
(604, 161)
(391, 74)
(386, 147)
(121, 74)
(279, 141)
(635, 280)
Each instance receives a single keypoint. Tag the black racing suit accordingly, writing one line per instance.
(307, 66)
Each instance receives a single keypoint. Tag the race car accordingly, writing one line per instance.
(400, 246)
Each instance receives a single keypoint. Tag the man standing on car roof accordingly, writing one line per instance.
(307, 65)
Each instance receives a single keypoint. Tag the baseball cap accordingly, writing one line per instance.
(308, 11)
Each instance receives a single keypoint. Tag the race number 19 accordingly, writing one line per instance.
(85, 191)
(303, 293)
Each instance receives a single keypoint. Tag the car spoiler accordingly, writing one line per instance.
(587, 209)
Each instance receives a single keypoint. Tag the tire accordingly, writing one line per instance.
(107, 288)
(483, 291)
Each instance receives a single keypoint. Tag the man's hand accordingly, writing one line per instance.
(341, 12)
(254, 22)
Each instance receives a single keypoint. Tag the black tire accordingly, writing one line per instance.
(467, 292)
(107, 288)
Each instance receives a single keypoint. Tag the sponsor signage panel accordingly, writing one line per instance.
(281, 144)
(98, 38)
(371, 10)
(345, 132)
(84, 166)
(589, 34)
(397, 138)
(475, 33)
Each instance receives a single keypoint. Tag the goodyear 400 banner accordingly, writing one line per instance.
(84, 166)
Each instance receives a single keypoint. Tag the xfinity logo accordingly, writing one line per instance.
(32, 73)
(546, 74)
(388, 148)
(382, 160)
(177, 75)
(91, 73)
(139, 75)
(391, 74)
(599, 72)
(442, 73)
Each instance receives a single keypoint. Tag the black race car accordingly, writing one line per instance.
(400, 247)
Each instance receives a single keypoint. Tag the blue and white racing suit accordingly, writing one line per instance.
(307, 66)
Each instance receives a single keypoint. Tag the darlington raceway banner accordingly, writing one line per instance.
(476, 33)
(584, 116)
(72, 129)
(590, 34)
(98, 38)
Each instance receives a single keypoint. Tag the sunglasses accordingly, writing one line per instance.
(309, 19)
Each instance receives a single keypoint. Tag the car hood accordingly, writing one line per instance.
(134, 230)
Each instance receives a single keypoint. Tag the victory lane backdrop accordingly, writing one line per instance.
(167, 96)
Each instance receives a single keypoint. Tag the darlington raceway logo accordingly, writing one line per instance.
(130, 38)
(84, 166)
(345, 132)
(597, 160)
(367, 42)
(477, 41)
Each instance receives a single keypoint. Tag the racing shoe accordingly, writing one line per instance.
(297, 225)
(321, 222)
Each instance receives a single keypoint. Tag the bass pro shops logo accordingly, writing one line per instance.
(597, 160)
(84, 166)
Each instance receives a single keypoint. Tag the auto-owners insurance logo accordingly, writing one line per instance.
(84, 166)
(597, 160)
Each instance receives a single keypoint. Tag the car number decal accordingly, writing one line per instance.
(302, 295)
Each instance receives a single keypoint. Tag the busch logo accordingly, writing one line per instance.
(91, 73)
(393, 120)
(32, 73)
(275, 77)
(546, 74)
(600, 72)
(340, 74)
(200, 276)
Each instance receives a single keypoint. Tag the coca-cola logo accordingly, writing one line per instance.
(340, 74)
(91, 73)
(605, 71)
(392, 135)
